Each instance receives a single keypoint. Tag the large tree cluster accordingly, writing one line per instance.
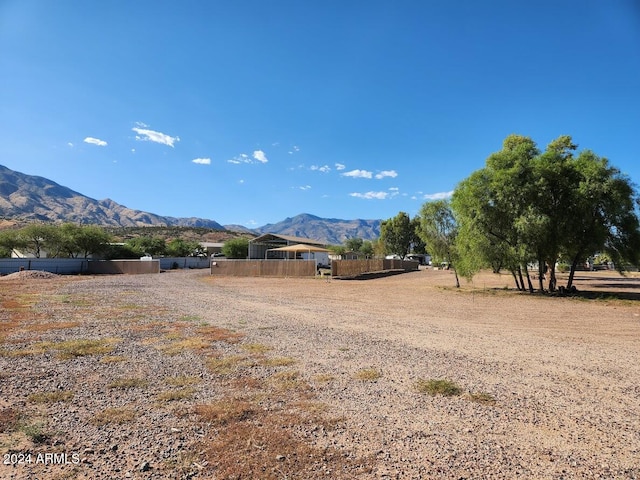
(531, 207)
(69, 240)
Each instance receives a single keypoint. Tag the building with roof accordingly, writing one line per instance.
(263, 247)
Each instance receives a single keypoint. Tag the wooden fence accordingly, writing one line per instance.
(264, 268)
(124, 266)
(349, 268)
(71, 266)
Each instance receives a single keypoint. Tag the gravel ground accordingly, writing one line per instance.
(550, 387)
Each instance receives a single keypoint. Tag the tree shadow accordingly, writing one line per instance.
(607, 295)
(605, 287)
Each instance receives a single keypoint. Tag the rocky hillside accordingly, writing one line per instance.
(32, 198)
(29, 197)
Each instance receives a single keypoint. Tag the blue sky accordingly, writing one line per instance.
(250, 111)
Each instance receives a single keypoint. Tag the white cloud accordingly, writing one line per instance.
(260, 156)
(358, 174)
(305, 187)
(438, 196)
(371, 195)
(242, 158)
(340, 166)
(323, 168)
(294, 149)
(146, 135)
(387, 173)
(69, 144)
(202, 161)
(95, 141)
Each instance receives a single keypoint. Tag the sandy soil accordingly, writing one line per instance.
(550, 387)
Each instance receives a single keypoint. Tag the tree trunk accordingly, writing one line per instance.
(552, 276)
(541, 271)
(574, 264)
(515, 279)
(526, 271)
(521, 279)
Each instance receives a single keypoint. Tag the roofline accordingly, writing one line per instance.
(288, 238)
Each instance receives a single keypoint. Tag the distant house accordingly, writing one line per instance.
(212, 248)
(21, 254)
(347, 256)
(262, 248)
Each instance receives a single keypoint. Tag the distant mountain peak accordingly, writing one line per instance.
(29, 197)
(33, 198)
(332, 231)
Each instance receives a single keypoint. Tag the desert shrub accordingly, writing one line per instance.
(434, 387)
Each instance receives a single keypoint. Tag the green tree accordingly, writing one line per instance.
(555, 180)
(602, 217)
(367, 249)
(120, 251)
(490, 206)
(82, 240)
(37, 239)
(378, 247)
(236, 248)
(179, 247)
(396, 234)
(338, 249)
(353, 244)
(11, 242)
(525, 206)
(148, 245)
(417, 244)
(438, 229)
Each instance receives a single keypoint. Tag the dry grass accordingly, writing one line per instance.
(324, 378)
(45, 327)
(51, 397)
(434, 387)
(226, 365)
(118, 416)
(368, 374)
(481, 397)
(67, 349)
(83, 347)
(277, 362)
(217, 334)
(225, 411)
(290, 380)
(173, 395)
(270, 449)
(178, 347)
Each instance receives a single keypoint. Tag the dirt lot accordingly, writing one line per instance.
(183, 375)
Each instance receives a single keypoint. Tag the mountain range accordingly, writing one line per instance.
(33, 198)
